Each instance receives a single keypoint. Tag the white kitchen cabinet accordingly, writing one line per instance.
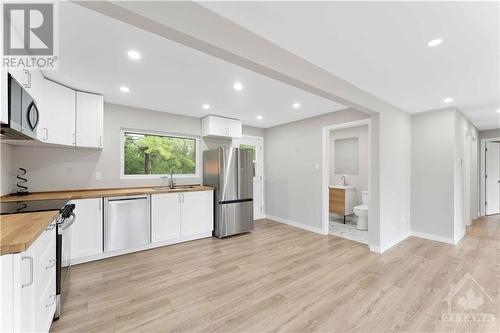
(86, 231)
(196, 213)
(57, 114)
(89, 120)
(165, 217)
(181, 216)
(221, 127)
(28, 298)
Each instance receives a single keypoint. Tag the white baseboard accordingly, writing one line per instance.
(436, 238)
(296, 224)
(388, 244)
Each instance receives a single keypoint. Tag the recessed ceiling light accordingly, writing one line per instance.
(237, 86)
(498, 110)
(260, 117)
(435, 42)
(448, 100)
(124, 89)
(296, 105)
(133, 54)
(206, 106)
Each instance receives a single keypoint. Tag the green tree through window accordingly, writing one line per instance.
(146, 154)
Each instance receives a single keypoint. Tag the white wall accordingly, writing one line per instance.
(395, 177)
(293, 155)
(54, 168)
(437, 205)
(359, 180)
(433, 163)
(494, 133)
(5, 169)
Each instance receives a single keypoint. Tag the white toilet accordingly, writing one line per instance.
(361, 212)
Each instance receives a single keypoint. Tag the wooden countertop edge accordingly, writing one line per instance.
(96, 193)
(17, 247)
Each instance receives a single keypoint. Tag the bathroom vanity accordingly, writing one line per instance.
(342, 199)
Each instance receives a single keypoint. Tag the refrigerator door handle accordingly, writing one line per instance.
(238, 177)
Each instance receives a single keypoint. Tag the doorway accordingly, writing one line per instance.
(492, 177)
(344, 195)
(255, 145)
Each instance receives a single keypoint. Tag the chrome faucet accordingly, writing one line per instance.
(171, 182)
(343, 181)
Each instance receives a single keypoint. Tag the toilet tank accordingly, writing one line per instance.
(364, 197)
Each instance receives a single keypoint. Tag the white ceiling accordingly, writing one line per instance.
(170, 77)
(381, 48)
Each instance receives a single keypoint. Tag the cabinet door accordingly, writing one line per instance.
(57, 114)
(196, 213)
(86, 231)
(89, 120)
(165, 216)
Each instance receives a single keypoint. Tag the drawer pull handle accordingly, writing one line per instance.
(53, 297)
(31, 271)
(52, 263)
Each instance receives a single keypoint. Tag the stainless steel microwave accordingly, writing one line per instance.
(23, 113)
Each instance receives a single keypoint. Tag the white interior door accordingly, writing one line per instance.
(255, 144)
(492, 166)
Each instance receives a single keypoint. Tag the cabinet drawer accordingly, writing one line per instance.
(46, 306)
(45, 267)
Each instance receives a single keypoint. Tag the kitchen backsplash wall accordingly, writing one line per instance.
(56, 168)
(5, 169)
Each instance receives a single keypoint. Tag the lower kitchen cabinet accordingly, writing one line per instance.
(197, 215)
(86, 231)
(181, 216)
(165, 216)
(28, 286)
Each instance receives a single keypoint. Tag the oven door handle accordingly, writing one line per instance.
(67, 222)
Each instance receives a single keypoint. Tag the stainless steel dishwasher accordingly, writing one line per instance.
(126, 222)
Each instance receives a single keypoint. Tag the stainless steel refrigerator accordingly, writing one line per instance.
(230, 171)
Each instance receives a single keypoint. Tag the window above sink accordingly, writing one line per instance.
(147, 154)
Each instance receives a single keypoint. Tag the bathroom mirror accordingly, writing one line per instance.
(346, 156)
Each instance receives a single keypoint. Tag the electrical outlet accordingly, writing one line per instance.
(98, 176)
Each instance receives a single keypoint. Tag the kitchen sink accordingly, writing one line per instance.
(177, 187)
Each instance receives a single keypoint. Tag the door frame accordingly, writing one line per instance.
(326, 172)
(482, 189)
(262, 190)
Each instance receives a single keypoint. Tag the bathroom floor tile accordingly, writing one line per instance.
(348, 231)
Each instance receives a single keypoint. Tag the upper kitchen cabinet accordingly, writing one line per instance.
(57, 114)
(89, 120)
(221, 127)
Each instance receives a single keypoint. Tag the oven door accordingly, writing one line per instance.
(63, 259)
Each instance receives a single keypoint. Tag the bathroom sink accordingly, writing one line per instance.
(343, 187)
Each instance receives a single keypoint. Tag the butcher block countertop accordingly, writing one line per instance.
(105, 192)
(19, 231)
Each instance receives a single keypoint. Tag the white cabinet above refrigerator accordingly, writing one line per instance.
(215, 126)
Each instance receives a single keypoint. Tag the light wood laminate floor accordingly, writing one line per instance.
(280, 278)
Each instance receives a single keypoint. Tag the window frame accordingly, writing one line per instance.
(197, 173)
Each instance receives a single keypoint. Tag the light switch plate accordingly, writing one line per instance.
(98, 176)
